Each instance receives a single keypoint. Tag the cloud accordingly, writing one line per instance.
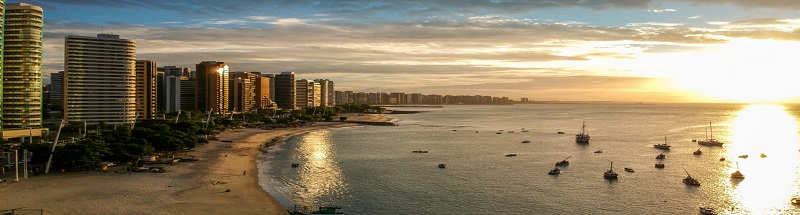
(694, 17)
(659, 24)
(662, 10)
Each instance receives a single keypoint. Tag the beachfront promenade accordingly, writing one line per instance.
(186, 188)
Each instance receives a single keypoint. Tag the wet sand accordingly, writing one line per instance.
(186, 188)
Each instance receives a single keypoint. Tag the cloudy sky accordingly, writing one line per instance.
(608, 50)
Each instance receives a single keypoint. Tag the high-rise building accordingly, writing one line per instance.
(146, 89)
(263, 98)
(175, 70)
(56, 88)
(99, 79)
(328, 93)
(304, 90)
(188, 93)
(243, 91)
(213, 86)
(285, 90)
(22, 67)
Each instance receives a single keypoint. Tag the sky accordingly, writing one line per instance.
(545, 50)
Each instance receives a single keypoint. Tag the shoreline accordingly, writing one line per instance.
(186, 188)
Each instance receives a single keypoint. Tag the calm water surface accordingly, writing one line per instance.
(372, 170)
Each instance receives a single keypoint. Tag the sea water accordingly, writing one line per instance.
(372, 169)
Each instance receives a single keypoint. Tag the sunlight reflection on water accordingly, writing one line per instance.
(769, 182)
(319, 173)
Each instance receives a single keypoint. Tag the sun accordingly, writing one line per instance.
(743, 70)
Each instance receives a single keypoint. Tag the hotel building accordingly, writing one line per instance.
(213, 87)
(146, 89)
(22, 67)
(99, 79)
(285, 90)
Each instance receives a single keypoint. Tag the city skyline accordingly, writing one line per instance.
(670, 51)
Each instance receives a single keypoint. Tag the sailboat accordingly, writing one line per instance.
(689, 180)
(662, 145)
(610, 174)
(582, 137)
(737, 174)
(710, 141)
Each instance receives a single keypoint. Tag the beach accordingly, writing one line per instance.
(223, 181)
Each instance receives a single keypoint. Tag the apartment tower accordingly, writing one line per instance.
(213, 87)
(285, 90)
(99, 79)
(22, 67)
(146, 89)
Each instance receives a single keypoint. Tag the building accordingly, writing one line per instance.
(56, 89)
(285, 90)
(22, 67)
(176, 70)
(305, 93)
(243, 91)
(146, 89)
(188, 93)
(99, 79)
(327, 92)
(262, 87)
(213, 87)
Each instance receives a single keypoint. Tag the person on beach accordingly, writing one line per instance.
(245, 172)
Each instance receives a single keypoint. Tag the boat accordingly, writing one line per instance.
(441, 165)
(598, 151)
(524, 130)
(708, 211)
(737, 174)
(554, 171)
(419, 151)
(697, 152)
(321, 210)
(763, 155)
(582, 137)
(721, 159)
(510, 131)
(563, 162)
(511, 155)
(710, 141)
(610, 174)
(660, 165)
(628, 169)
(743, 156)
(499, 132)
(796, 201)
(689, 180)
(560, 132)
(662, 145)
(661, 156)
(526, 141)
(294, 165)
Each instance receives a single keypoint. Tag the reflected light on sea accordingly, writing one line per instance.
(318, 173)
(770, 180)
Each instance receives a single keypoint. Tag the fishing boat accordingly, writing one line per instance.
(441, 165)
(660, 165)
(710, 141)
(598, 151)
(560, 132)
(689, 180)
(582, 137)
(610, 174)
(526, 141)
(737, 174)
(697, 152)
(743, 156)
(321, 210)
(661, 156)
(295, 165)
(554, 171)
(499, 132)
(511, 155)
(662, 145)
(420, 151)
(763, 155)
(563, 162)
(796, 201)
(721, 159)
(628, 169)
(708, 211)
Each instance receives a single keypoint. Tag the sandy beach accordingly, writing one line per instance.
(186, 188)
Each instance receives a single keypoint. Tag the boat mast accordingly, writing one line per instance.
(712, 129)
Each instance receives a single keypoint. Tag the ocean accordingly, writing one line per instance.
(372, 170)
